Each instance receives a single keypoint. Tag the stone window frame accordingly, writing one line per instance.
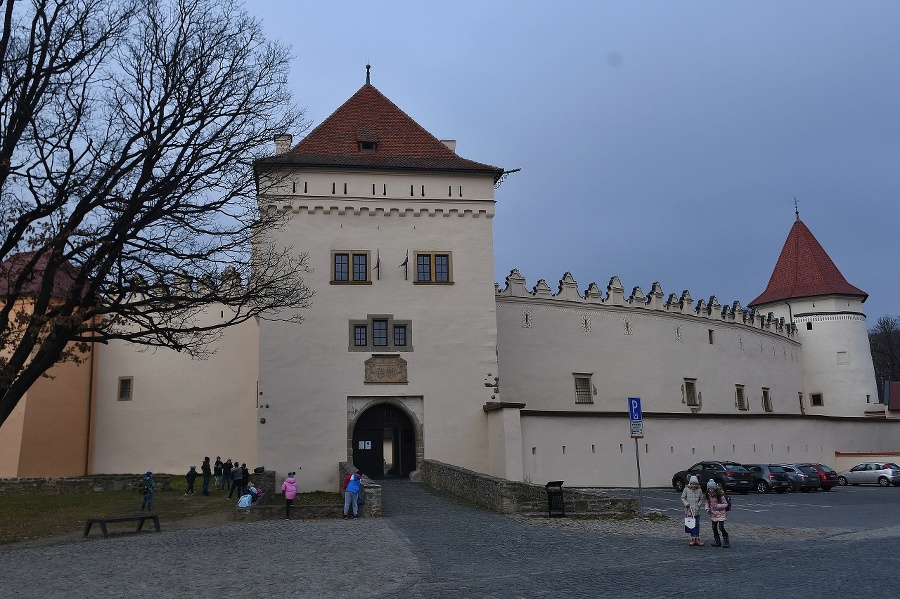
(125, 388)
(432, 255)
(351, 278)
(390, 323)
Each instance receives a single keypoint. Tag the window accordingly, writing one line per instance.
(380, 332)
(739, 398)
(126, 388)
(712, 336)
(690, 392)
(350, 267)
(808, 326)
(843, 358)
(367, 146)
(815, 399)
(400, 335)
(583, 388)
(767, 400)
(434, 267)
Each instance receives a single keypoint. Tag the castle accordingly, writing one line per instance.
(411, 350)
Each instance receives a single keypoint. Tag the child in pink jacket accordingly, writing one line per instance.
(716, 506)
(289, 488)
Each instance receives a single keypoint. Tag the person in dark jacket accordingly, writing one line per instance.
(217, 472)
(191, 476)
(237, 480)
(226, 475)
(207, 473)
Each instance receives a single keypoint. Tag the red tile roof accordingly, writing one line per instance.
(804, 269)
(12, 268)
(400, 142)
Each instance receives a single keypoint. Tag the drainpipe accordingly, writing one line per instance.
(92, 403)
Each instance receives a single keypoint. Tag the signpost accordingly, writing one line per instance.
(636, 419)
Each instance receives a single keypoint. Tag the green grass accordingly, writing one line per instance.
(37, 516)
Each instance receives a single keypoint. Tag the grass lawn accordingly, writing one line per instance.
(37, 516)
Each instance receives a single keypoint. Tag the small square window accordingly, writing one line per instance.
(367, 146)
(815, 399)
(583, 388)
(843, 358)
(126, 388)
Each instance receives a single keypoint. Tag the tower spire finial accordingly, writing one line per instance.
(368, 66)
(796, 211)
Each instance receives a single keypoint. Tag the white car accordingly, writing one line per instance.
(871, 473)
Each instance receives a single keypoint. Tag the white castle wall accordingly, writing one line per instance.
(182, 409)
(314, 386)
(638, 348)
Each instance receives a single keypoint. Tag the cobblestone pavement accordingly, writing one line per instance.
(430, 546)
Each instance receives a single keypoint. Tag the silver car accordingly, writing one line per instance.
(871, 473)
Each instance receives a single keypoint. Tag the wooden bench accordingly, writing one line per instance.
(139, 518)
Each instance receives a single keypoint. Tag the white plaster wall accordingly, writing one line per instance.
(308, 374)
(537, 362)
(599, 450)
(182, 410)
(838, 325)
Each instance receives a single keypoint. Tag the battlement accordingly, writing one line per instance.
(383, 211)
(654, 301)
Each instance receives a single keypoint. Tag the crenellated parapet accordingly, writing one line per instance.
(655, 301)
(379, 211)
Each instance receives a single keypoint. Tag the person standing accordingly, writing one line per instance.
(716, 506)
(207, 473)
(217, 472)
(226, 475)
(191, 476)
(237, 480)
(352, 486)
(691, 497)
(245, 477)
(146, 489)
(289, 488)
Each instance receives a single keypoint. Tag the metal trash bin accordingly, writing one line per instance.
(556, 506)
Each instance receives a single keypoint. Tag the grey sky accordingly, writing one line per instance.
(658, 141)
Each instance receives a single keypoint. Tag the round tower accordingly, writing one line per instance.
(808, 291)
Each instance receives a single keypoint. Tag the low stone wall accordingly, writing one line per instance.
(372, 491)
(513, 497)
(81, 484)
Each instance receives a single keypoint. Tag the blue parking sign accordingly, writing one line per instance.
(634, 409)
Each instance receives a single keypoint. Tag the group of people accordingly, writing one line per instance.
(716, 504)
(230, 475)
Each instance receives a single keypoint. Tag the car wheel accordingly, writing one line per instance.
(842, 481)
(884, 481)
(678, 484)
(792, 487)
(762, 486)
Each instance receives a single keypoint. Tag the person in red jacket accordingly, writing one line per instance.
(289, 488)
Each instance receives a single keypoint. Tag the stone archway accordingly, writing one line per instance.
(386, 440)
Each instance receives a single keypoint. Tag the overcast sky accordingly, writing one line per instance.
(658, 141)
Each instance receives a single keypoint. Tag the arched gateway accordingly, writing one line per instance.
(384, 442)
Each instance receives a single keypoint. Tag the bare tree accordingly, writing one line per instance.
(128, 129)
(884, 340)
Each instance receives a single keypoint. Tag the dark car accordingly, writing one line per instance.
(803, 478)
(731, 476)
(828, 478)
(769, 477)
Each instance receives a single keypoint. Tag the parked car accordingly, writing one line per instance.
(870, 473)
(730, 475)
(769, 477)
(828, 478)
(802, 478)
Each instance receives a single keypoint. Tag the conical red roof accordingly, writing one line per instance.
(804, 269)
(394, 141)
